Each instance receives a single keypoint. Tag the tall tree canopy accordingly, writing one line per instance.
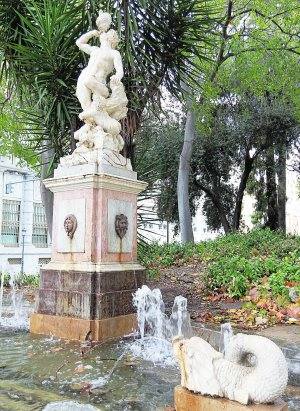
(257, 53)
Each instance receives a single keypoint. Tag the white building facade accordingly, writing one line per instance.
(24, 241)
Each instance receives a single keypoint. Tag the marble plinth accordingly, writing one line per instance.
(188, 401)
(88, 295)
(87, 287)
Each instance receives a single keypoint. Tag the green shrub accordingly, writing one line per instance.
(23, 280)
(235, 262)
(165, 255)
(234, 274)
(237, 274)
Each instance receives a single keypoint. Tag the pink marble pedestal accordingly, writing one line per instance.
(86, 289)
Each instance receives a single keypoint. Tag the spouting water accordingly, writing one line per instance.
(180, 318)
(156, 329)
(16, 297)
(1, 292)
(226, 336)
(16, 316)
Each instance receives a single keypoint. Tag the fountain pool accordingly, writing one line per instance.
(36, 372)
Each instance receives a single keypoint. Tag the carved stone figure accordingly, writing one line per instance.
(102, 98)
(253, 368)
(121, 225)
(70, 225)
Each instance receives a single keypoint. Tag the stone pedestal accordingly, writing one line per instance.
(86, 290)
(187, 401)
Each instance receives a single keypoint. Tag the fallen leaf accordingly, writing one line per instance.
(261, 321)
(79, 369)
(56, 349)
(293, 321)
(294, 312)
(254, 294)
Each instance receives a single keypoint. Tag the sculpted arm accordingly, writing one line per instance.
(83, 40)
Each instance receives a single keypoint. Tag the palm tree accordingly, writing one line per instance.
(41, 63)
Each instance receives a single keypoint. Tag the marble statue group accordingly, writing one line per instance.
(102, 98)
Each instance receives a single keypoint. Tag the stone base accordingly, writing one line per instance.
(79, 329)
(88, 295)
(187, 401)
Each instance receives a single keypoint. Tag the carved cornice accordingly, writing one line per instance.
(93, 267)
(103, 181)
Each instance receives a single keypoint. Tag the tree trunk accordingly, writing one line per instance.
(185, 218)
(281, 174)
(74, 125)
(248, 164)
(223, 219)
(271, 190)
(46, 194)
(217, 203)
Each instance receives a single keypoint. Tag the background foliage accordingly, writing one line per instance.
(237, 262)
(41, 63)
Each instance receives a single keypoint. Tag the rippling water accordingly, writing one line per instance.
(37, 370)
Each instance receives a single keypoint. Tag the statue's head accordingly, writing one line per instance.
(111, 37)
(70, 225)
(103, 21)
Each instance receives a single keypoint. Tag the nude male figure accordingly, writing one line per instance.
(103, 60)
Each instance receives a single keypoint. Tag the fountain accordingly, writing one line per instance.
(141, 369)
(14, 314)
(226, 337)
(155, 328)
(86, 289)
(247, 369)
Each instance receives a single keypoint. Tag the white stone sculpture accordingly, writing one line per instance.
(102, 98)
(253, 368)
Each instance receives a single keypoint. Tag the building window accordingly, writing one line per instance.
(14, 261)
(39, 227)
(43, 261)
(10, 222)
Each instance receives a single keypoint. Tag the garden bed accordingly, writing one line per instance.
(251, 280)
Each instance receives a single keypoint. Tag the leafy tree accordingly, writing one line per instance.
(157, 161)
(227, 159)
(15, 137)
(256, 52)
(243, 136)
